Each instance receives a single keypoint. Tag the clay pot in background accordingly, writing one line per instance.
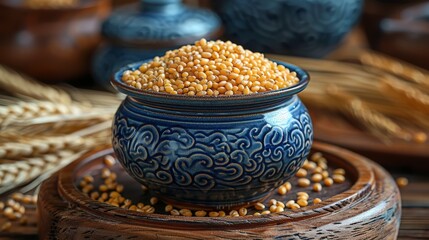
(311, 28)
(52, 45)
(149, 28)
(402, 33)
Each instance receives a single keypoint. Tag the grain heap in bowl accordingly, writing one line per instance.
(211, 69)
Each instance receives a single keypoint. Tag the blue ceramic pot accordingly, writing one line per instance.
(149, 29)
(309, 28)
(212, 152)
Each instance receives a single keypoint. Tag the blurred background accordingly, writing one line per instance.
(63, 40)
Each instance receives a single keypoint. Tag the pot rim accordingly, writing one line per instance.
(221, 100)
(80, 6)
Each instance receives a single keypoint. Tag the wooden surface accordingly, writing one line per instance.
(414, 220)
(368, 207)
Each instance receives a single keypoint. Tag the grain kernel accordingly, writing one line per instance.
(168, 208)
(273, 208)
(282, 190)
(265, 212)
(328, 181)
(289, 203)
(17, 196)
(317, 200)
(316, 177)
(109, 161)
(175, 212)
(316, 156)
(213, 214)
(279, 209)
(317, 187)
(338, 178)
(302, 202)
(259, 206)
(242, 211)
(288, 186)
(222, 214)
(272, 202)
(301, 173)
(303, 182)
(153, 200)
(200, 213)
(339, 171)
(295, 206)
(402, 182)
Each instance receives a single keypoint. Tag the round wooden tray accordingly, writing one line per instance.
(367, 205)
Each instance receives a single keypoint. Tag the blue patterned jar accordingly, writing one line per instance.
(308, 28)
(212, 152)
(149, 29)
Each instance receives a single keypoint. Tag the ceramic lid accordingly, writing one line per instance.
(159, 21)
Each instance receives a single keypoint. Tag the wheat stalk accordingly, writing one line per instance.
(374, 121)
(396, 67)
(22, 86)
(16, 174)
(406, 93)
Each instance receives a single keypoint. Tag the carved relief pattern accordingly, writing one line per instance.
(203, 159)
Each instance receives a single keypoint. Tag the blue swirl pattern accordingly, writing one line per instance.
(208, 160)
(310, 28)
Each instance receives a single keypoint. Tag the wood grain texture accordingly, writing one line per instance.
(369, 209)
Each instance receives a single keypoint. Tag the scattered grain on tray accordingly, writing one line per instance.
(153, 200)
(288, 186)
(339, 171)
(317, 201)
(338, 178)
(302, 194)
(280, 204)
(88, 179)
(109, 161)
(200, 213)
(175, 212)
(295, 206)
(210, 68)
(301, 173)
(309, 165)
(259, 206)
(17, 196)
(282, 190)
(168, 208)
(420, 137)
(186, 212)
(317, 187)
(402, 182)
(325, 174)
(322, 165)
(242, 211)
(234, 213)
(317, 177)
(213, 214)
(272, 202)
(317, 170)
(290, 203)
(303, 182)
(328, 181)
